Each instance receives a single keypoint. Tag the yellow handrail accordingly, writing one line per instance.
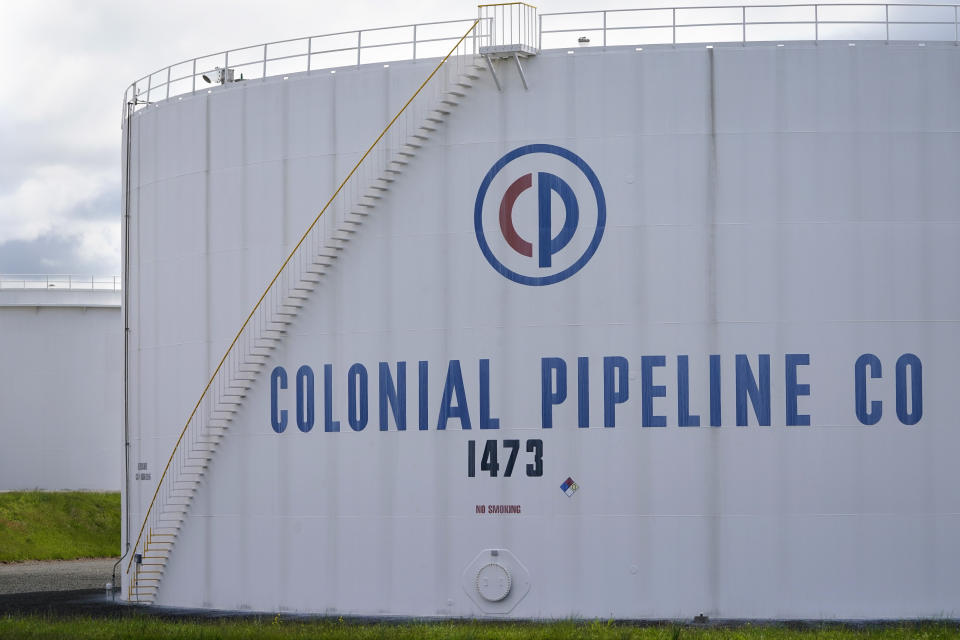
(275, 277)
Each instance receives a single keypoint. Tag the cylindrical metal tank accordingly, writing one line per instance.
(666, 331)
(61, 383)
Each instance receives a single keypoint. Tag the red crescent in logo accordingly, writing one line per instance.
(509, 231)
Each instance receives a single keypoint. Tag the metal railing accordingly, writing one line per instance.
(321, 241)
(510, 25)
(753, 23)
(517, 22)
(328, 52)
(60, 282)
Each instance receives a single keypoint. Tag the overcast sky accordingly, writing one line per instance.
(66, 64)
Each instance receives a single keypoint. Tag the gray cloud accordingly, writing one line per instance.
(53, 253)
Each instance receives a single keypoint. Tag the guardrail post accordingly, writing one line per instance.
(359, 35)
(168, 83)
(193, 77)
(674, 10)
(816, 23)
(414, 42)
(604, 28)
(886, 20)
(264, 61)
(743, 23)
(149, 86)
(309, 53)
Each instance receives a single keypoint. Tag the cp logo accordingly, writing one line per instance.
(538, 231)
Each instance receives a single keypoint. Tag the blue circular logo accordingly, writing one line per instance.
(518, 232)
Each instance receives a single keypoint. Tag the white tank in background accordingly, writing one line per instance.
(61, 383)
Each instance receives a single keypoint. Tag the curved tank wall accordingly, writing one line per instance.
(61, 390)
(737, 403)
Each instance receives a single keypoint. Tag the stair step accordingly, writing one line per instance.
(281, 310)
(233, 392)
(459, 93)
(160, 544)
(292, 302)
(323, 260)
(380, 187)
(304, 285)
(355, 218)
(330, 251)
(362, 212)
(450, 99)
(318, 269)
(414, 143)
(170, 517)
(271, 338)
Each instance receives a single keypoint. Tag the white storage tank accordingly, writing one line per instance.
(632, 331)
(61, 383)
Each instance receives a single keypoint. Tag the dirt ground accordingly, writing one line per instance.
(55, 575)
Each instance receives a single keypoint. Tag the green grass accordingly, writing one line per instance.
(151, 627)
(39, 525)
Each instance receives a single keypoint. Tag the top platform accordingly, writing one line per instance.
(505, 29)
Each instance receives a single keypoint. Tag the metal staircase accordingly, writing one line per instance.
(355, 199)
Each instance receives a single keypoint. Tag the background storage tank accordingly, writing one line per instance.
(630, 331)
(61, 383)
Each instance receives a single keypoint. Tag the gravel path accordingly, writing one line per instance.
(55, 575)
